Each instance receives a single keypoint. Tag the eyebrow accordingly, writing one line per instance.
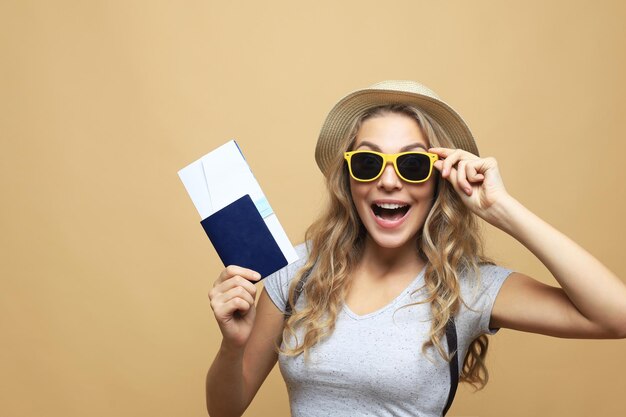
(405, 148)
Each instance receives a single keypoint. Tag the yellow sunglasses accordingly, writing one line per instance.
(413, 167)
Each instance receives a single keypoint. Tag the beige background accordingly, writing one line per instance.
(105, 268)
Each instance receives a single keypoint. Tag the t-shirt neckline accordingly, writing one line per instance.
(392, 303)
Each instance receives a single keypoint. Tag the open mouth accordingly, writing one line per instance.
(390, 212)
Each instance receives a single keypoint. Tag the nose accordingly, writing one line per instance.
(389, 179)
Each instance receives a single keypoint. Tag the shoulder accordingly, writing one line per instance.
(277, 284)
(479, 292)
(488, 277)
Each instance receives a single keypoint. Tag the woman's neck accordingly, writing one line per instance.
(380, 261)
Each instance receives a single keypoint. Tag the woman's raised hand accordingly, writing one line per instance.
(476, 180)
(232, 300)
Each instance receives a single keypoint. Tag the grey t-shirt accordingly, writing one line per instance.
(372, 364)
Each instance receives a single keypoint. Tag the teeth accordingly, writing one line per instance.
(390, 205)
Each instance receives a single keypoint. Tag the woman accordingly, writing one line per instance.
(394, 267)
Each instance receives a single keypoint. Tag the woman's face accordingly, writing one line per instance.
(392, 227)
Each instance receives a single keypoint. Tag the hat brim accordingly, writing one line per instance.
(340, 118)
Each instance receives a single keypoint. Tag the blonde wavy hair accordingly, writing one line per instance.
(450, 242)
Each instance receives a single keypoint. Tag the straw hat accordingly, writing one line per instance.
(338, 121)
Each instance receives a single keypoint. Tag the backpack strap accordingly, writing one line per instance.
(454, 363)
(299, 288)
(450, 337)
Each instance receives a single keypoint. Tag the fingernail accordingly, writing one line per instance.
(257, 275)
(468, 190)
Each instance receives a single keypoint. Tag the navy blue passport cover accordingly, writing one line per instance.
(241, 237)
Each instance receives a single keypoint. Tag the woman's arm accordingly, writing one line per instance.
(596, 296)
(237, 374)
(225, 393)
(592, 300)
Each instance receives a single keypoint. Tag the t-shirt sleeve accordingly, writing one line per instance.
(482, 296)
(277, 284)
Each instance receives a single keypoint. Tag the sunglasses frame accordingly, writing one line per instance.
(391, 157)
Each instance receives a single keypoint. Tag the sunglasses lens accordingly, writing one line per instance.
(365, 165)
(414, 167)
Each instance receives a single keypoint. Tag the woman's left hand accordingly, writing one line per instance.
(476, 180)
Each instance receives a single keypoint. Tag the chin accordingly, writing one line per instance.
(391, 241)
(389, 245)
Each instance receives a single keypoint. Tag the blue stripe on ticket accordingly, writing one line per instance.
(264, 207)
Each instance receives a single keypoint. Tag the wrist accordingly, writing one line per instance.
(505, 211)
(231, 351)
